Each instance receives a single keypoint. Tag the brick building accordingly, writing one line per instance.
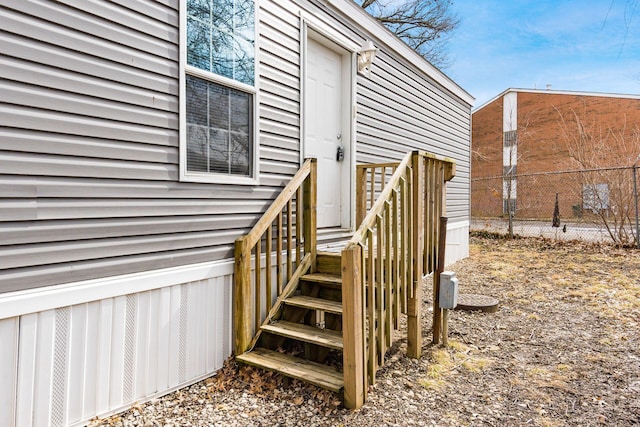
(523, 141)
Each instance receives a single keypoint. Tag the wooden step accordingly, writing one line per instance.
(329, 262)
(323, 279)
(315, 304)
(315, 373)
(306, 333)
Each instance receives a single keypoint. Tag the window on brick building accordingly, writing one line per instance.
(595, 197)
(506, 203)
(509, 170)
(510, 138)
(509, 192)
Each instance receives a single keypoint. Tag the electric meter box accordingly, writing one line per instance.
(448, 290)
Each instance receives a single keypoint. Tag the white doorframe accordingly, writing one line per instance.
(317, 30)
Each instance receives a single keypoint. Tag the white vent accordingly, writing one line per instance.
(60, 356)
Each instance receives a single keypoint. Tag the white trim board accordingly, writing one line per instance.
(369, 24)
(34, 300)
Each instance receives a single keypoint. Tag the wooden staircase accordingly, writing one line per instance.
(304, 321)
(289, 315)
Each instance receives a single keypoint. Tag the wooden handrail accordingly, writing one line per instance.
(279, 203)
(373, 174)
(384, 262)
(254, 303)
(369, 219)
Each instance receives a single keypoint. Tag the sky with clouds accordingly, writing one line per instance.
(577, 45)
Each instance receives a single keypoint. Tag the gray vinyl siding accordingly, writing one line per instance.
(89, 177)
(417, 114)
(279, 85)
(89, 137)
(401, 109)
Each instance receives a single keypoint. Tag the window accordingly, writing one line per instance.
(509, 195)
(509, 170)
(218, 140)
(595, 197)
(509, 203)
(510, 138)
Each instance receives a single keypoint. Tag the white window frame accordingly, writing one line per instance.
(212, 177)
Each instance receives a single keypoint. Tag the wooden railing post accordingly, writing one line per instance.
(414, 307)
(445, 172)
(242, 309)
(309, 220)
(353, 327)
(437, 311)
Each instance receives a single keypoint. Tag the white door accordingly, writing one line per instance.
(323, 130)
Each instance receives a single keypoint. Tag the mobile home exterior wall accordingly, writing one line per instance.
(108, 261)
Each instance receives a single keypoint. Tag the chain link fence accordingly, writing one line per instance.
(596, 205)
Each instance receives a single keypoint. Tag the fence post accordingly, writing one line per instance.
(635, 195)
(242, 298)
(352, 327)
(414, 307)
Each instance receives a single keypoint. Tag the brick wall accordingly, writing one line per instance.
(546, 130)
(486, 159)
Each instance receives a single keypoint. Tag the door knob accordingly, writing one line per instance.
(340, 153)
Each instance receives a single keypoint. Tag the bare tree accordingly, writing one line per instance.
(425, 25)
(600, 153)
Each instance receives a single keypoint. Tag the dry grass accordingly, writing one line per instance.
(564, 348)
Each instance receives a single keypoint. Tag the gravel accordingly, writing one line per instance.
(562, 350)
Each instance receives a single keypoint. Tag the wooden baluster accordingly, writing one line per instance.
(380, 289)
(289, 240)
(396, 257)
(405, 252)
(299, 212)
(372, 190)
(428, 209)
(361, 194)
(363, 315)
(280, 236)
(267, 268)
(410, 241)
(371, 307)
(388, 298)
(257, 286)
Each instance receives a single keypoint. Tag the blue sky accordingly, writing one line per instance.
(587, 45)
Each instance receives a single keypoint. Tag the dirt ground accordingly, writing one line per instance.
(564, 347)
(562, 350)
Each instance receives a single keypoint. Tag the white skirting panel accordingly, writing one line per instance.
(457, 242)
(63, 366)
